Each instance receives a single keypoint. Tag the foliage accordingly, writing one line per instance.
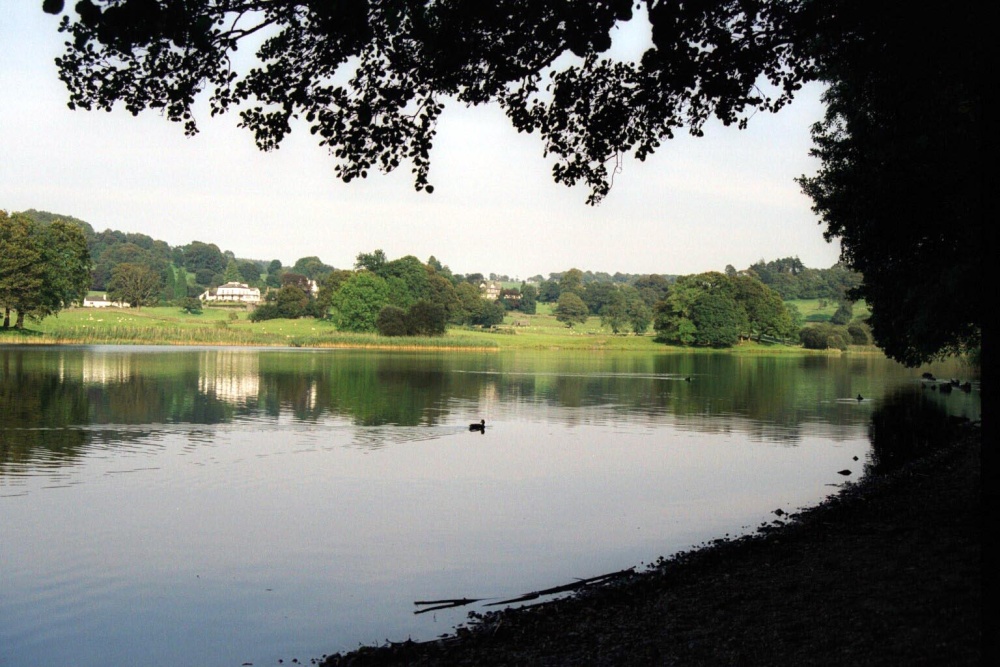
(746, 303)
(715, 317)
(469, 303)
(134, 284)
(528, 303)
(204, 257)
(790, 278)
(548, 291)
(640, 316)
(486, 313)
(191, 306)
(845, 311)
(425, 318)
(410, 277)
(20, 277)
(371, 261)
(328, 286)
(824, 336)
(442, 292)
(571, 281)
(761, 310)
(232, 274)
(652, 288)
(291, 301)
(125, 252)
(597, 295)
(571, 309)
(401, 61)
(391, 321)
(44, 267)
(900, 147)
(614, 314)
(249, 273)
(265, 311)
(311, 267)
(860, 333)
(900, 182)
(359, 300)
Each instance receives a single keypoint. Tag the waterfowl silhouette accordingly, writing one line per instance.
(860, 398)
(481, 426)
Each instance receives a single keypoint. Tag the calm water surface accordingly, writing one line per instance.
(223, 506)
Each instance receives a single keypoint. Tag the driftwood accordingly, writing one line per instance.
(534, 595)
(445, 604)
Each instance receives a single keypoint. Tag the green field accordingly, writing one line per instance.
(216, 326)
(821, 310)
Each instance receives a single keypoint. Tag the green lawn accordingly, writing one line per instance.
(821, 310)
(171, 326)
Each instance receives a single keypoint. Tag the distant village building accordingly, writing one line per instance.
(102, 302)
(491, 289)
(232, 293)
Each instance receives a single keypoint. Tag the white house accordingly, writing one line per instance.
(233, 293)
(490, 289)
(98, 302)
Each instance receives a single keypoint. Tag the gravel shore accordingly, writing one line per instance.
(887, 572)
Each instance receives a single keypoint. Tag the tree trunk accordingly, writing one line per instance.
(20, 320)
(6, 317)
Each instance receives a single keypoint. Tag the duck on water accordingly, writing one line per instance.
(481, 426)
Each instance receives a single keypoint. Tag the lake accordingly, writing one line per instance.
(221, 506)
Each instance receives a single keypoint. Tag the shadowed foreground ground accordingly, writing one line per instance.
(886, 573)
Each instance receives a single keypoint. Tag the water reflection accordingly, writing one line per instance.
(221, 506)
(56, 401)
(907, 426)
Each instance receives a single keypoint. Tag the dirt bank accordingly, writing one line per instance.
(886, 573)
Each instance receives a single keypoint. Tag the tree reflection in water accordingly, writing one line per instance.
(906, 426)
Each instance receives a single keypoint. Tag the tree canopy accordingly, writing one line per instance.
(44, 267)
(899, 181)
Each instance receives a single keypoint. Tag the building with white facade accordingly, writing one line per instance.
(232, 293)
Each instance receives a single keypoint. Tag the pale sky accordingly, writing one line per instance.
(696, 205)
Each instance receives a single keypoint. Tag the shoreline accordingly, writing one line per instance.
(167, 326)
(887, 571)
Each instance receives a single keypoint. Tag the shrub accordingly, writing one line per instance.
(824, 336)
(191, 305)
(265, 311)
(391, 321)
(425, 318)
(860, 333)
(845, 311)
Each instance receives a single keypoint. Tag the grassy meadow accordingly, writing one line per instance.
(230, 326)
(821, 310)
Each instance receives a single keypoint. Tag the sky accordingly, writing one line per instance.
(698, 204)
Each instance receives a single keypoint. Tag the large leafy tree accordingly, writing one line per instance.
(902, 176)
(20, 268)
(65, 267)
(716, 318)
(370, 79)
(359, 300)
(745, 306)
(43, 267)
(571, 309)
(135, 284)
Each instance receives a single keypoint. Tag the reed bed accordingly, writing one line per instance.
(124, 334)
